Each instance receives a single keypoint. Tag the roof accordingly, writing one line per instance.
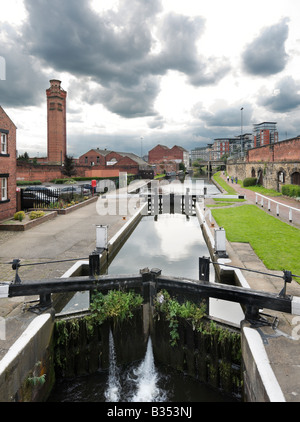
(1, 109)
(131, 155)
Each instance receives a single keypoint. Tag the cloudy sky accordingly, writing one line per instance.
(143, 72)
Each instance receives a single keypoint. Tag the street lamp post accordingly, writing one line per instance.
(242, 131)
(141, 147)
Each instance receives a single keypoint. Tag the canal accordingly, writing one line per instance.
(173, 243)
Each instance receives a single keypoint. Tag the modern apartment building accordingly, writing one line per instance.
(265, 133)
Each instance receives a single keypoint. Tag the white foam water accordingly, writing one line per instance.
(112, 393)
(143, 379)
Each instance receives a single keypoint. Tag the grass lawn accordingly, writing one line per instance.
(223, 184)
(276, 243)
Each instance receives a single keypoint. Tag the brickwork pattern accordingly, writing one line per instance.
(8, 165)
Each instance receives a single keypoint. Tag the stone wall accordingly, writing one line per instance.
(267, 172)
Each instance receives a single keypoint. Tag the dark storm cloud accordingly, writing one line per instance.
(266, 55)
(23, 79)
(179, 35)
(114, 50)
(286, 96)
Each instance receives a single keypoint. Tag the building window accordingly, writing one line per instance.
(3, 192)
(86, 160)
(3, 143)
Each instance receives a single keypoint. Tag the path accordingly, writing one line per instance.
(284, 212)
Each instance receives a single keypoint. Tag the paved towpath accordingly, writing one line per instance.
(71, 236)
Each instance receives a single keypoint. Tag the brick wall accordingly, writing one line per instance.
(8, 166)
(56, 119)
(162, 153)
(288, 150)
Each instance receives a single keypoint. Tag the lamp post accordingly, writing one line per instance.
(141, 147)
(242, 131)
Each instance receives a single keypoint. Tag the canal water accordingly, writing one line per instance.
(173, 243)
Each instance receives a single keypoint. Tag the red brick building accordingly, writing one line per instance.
(168, 158)
(99, 162)
(57, 127)
(8, 133)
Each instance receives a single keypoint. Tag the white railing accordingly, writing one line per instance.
(278, 204)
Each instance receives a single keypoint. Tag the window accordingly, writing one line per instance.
(3, 143)
(3, 193)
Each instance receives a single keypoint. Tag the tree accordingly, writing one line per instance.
(69, 166)
(24, 157)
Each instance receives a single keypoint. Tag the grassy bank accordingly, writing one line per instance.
(276, 243)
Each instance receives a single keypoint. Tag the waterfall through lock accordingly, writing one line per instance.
(113, 391)
(142, 380)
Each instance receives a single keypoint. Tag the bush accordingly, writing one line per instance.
(20, 215)
(291, 190)
(249, 181)
(36, 214)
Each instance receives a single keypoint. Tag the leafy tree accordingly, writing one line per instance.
(24, 157)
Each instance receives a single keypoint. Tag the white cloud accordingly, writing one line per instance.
(166, 70)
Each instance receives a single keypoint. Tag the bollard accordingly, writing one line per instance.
(94, 264)
(204, 268)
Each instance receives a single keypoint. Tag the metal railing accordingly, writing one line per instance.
(278, 204)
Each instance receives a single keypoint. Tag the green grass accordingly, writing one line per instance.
(276, 243)
(229, 200)
(263, 191)
(223, 184)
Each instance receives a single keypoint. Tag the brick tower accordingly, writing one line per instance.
(56, 115)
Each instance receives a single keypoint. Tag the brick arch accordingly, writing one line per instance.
(295, 177)
(281, 175)
(260, 176)
(253, 172)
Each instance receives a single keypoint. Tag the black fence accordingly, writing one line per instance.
(46, 197)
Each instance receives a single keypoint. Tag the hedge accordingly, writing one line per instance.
(291, 190)
(249, 181)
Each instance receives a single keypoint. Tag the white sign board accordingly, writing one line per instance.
(101, 237)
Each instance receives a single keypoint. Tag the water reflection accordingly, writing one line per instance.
(171, 242)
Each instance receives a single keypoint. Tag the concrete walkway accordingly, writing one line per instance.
(67, 237)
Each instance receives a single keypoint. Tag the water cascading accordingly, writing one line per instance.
(146, 378)
(112, 393)
(142, 380)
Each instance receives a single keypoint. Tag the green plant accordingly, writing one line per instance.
(37, 380)
(249, 181)
(291, 190)
(173, 310)
(20, 215)
(116, 304)
(36, 214)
